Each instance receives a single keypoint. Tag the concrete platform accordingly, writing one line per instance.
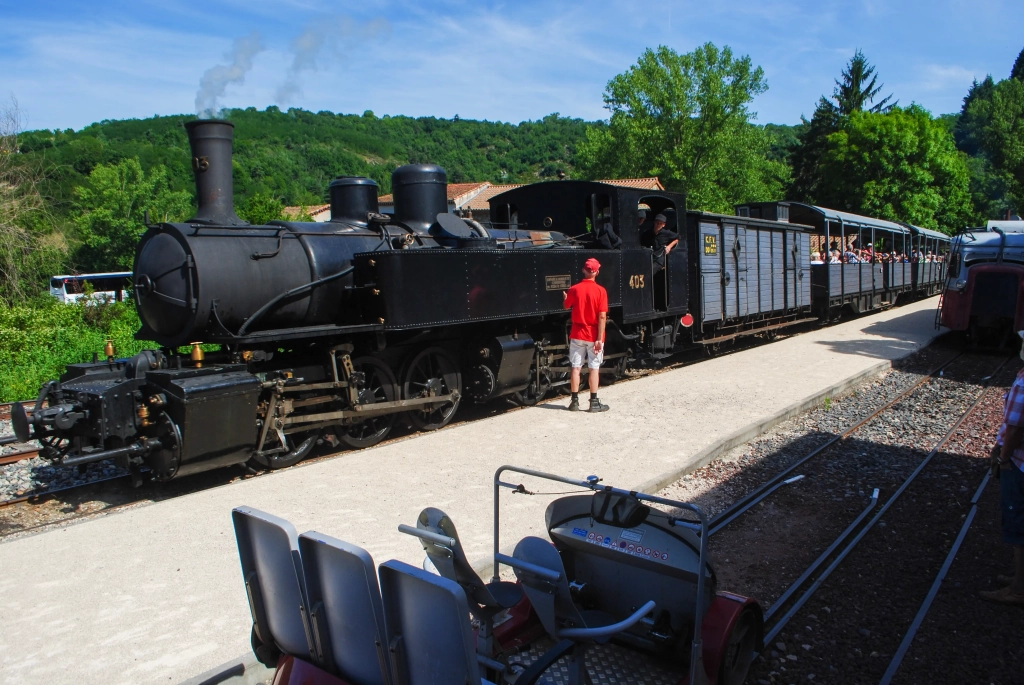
(154, 594)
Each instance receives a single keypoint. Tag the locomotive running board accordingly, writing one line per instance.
(754, 331)
(368, 410)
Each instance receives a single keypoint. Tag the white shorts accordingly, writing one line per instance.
(580, 348)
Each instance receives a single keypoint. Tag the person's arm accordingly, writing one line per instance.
(1012, 438)
(671, 246)
(567, 301)
(602, 320)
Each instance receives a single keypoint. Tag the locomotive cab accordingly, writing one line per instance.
(616, 221)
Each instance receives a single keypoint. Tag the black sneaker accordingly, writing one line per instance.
(574, 405)
(596, 406)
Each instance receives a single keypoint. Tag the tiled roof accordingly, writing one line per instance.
(651, 183)
(455, 192)
(313, 210)
(481, 200)
(476, 195)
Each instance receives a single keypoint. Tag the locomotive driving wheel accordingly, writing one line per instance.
(379, 385)
(432, 373)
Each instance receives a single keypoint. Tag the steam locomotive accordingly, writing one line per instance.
(332, 332)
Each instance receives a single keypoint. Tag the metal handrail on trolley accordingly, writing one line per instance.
(697, 672)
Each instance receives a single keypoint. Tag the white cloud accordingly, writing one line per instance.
(939, 77)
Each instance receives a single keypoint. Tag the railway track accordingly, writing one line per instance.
(847, 544)
(19, 455)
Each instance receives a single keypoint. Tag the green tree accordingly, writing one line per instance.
(901, 165)
(1003, 137)
(974, 116)
(31, 246)
(262, 208)
(112, 210)
(857, 88)
(854, 91)
(807, 157)
(685, 118)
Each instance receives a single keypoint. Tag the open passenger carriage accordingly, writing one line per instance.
(618, 589)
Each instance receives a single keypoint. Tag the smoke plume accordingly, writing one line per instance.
(332, 35)
(217, 78)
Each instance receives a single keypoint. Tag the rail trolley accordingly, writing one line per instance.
(616, 590)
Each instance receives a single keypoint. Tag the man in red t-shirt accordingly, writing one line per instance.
(589, 304)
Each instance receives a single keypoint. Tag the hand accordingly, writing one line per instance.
(598, 346)
(565, 296)
(995, 461)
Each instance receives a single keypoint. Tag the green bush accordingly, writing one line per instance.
(39, 340)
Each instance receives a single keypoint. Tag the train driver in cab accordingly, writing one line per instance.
(665, 240)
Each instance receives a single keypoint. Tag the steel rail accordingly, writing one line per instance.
(791, 590)
(20, 455)
(904, 647)
(770, 636)
(741, 506)
(36, 497)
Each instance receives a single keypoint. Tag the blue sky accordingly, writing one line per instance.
(73, 63)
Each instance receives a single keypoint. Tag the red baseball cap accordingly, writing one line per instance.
(592, 265)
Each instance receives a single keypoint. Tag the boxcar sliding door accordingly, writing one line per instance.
(710, 272)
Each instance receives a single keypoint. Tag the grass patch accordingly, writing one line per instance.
(39, 340)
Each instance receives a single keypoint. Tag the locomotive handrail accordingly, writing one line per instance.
(288, 293)
(592, 483)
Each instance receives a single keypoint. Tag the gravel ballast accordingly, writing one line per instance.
(849, 630)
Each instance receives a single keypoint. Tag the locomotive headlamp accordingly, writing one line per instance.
(961, 284)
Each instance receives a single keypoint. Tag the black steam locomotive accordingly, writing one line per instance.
(331, 332)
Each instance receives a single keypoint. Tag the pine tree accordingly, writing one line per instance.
(857, 87)
(854, 90)
(806, 157)
(974, 116)
(1018, 67)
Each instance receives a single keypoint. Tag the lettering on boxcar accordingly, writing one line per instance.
(710, 245)
(636, 281)
(557, 282)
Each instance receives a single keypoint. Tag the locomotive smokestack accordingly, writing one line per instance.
(211, 142)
